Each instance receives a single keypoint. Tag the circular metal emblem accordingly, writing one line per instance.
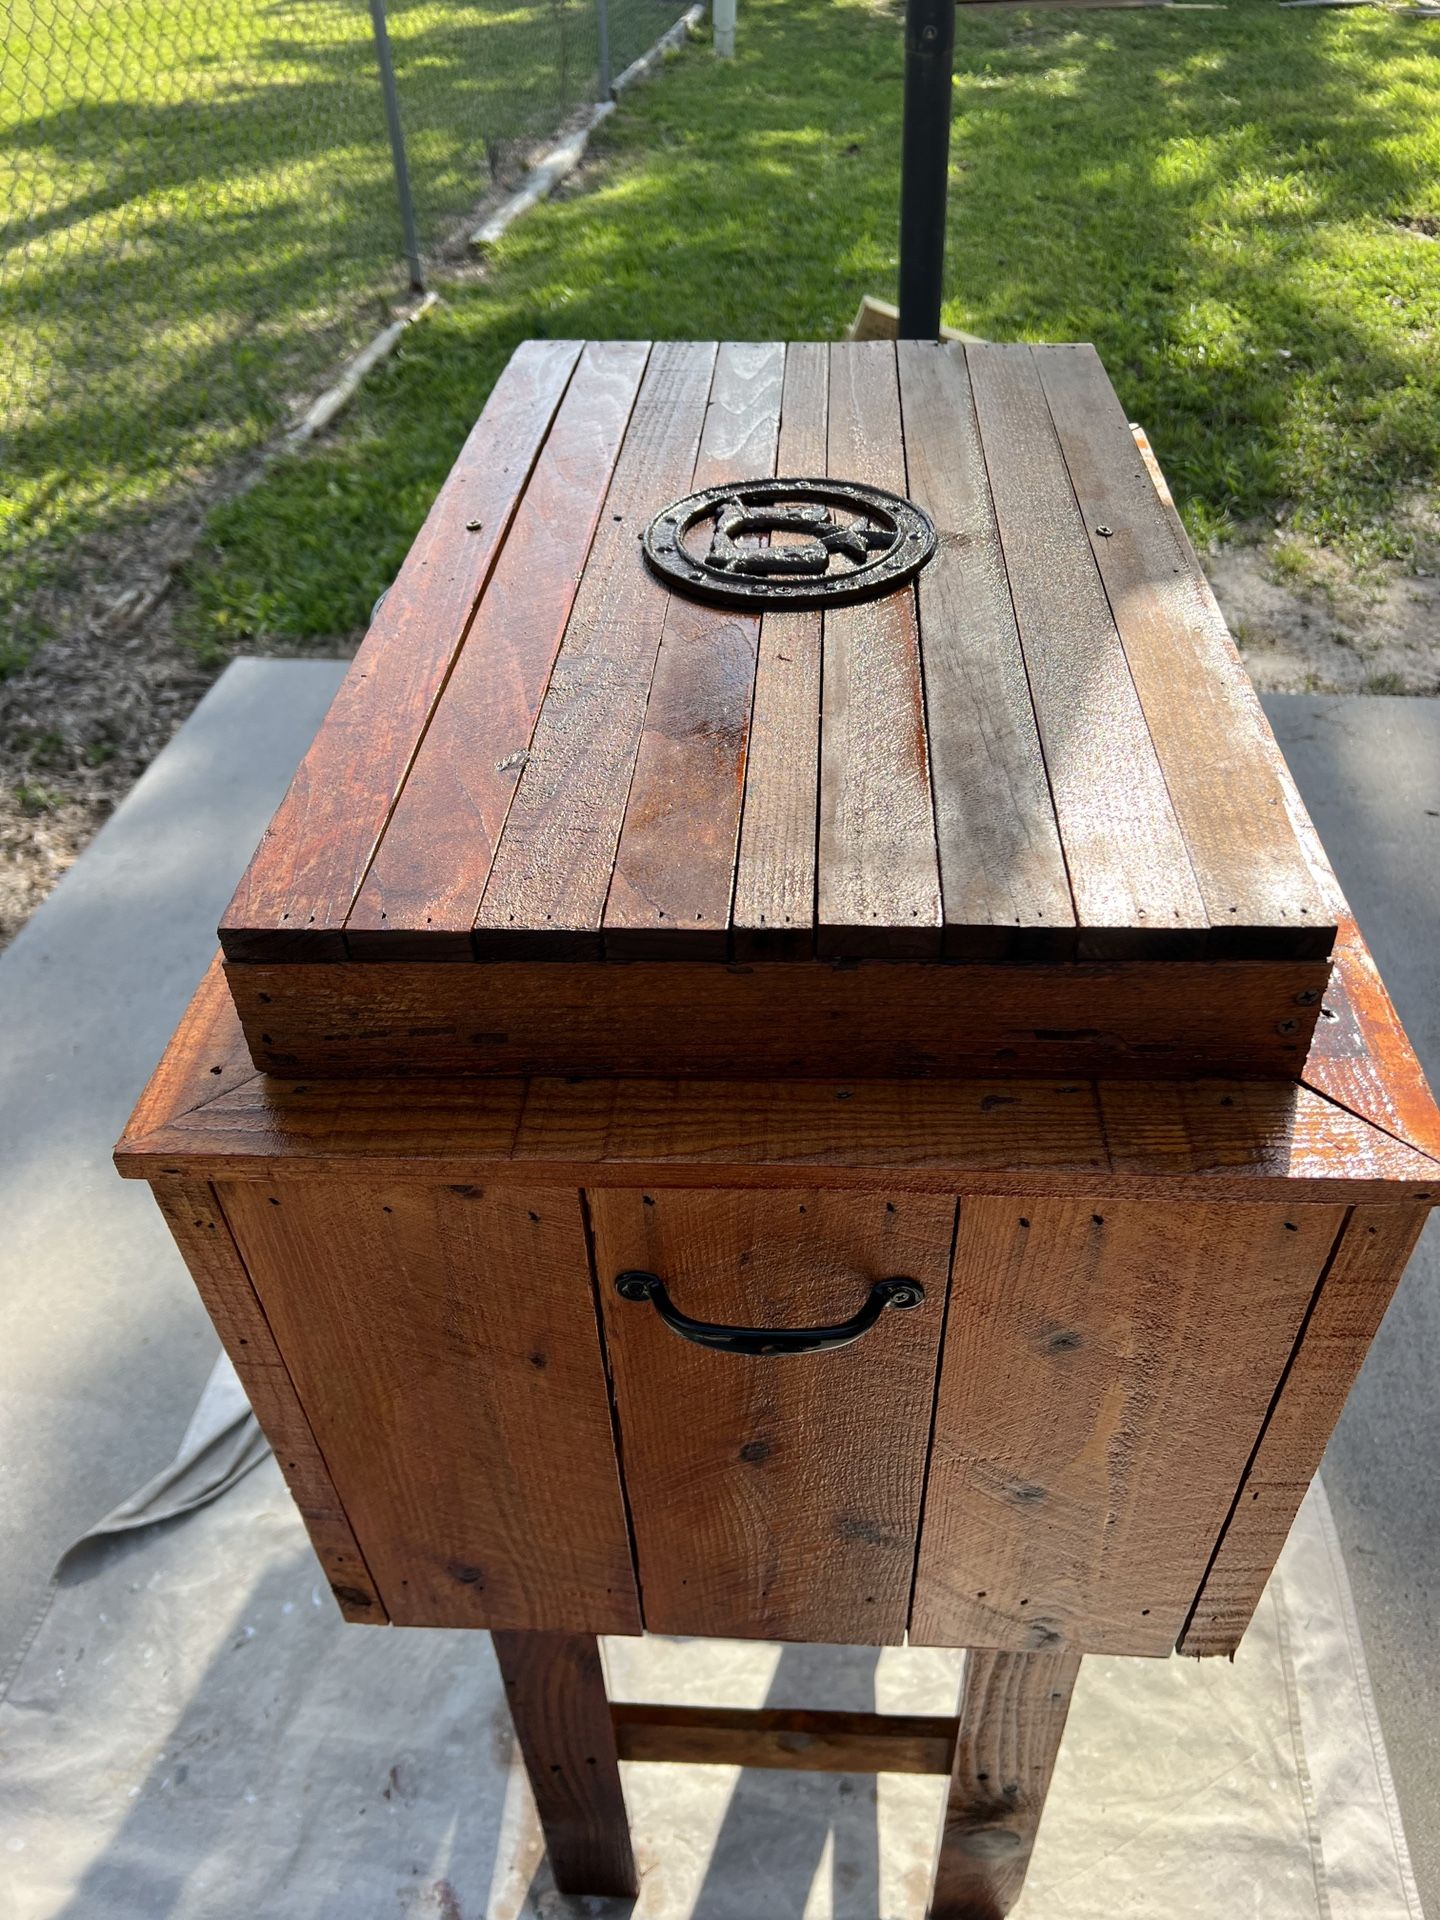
(788, 543)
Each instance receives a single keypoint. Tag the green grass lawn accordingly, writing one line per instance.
(1240, 207)
(198, 219)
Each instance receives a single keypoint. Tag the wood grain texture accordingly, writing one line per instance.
(796, 1740)
(878, 880)
(1361, 1057)
(444, 1344)
(430, 868)
(1251, 871)
(297, 891)
(1002, 872)
(864, 1020)
(1130, 873)
(1358, 1285)
(1107, 1370)
(773, 915)
(764, 1502)
(675, 866)
(1322, 875)
(1248, 1141)
(1013, 1709)
(555, 1689)
(551, 872)
(203, 1237)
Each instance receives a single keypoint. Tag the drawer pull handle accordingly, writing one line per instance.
(637, 1285)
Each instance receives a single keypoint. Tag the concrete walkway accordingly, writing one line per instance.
(104, 1347)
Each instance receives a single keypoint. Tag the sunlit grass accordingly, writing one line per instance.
(1238, 206)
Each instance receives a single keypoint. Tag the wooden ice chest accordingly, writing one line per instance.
(787, 1120)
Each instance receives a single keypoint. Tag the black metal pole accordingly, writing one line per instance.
(925, 163)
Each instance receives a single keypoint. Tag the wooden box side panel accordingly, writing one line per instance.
(445, 1346)
(1357, 1288)
(704, 1020)
(774, 1497)
(1107, 1369)
(203, 1236)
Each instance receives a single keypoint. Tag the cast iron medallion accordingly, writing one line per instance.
(839, 541)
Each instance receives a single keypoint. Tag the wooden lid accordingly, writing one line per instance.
(1044, 746)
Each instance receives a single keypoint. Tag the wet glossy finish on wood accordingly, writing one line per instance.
(1042, 750)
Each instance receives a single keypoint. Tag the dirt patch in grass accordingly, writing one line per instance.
(1308, 623)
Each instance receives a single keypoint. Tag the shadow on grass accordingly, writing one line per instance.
(181, 262)
(1211, 197)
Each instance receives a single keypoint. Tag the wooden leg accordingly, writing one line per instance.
(556, 1693)
(1012, 1714)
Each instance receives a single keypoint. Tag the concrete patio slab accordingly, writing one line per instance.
(104, 1346)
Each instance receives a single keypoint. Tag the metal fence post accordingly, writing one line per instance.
(925, 163)
(397, 144)
(602, 31)
(722, 21)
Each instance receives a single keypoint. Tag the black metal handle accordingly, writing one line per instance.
(898, 1292)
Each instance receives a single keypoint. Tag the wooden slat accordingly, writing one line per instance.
(205, 1057)
(1106, 1372)
(767, 1502)
(1130, 874)
(555, 1689)
(1012, 1714)
(430, 868)
(879, 881)
(444, 1343)
(1361, 1056)
(698, 1019)
(203, 1236)
(1322, 874)
(1252, 873)
(1002, 872)
(774, 909)
(547, 886)
(1256, 1140)
(675, 866)
(792, 1739)
(1357, 1288)
(297, 891)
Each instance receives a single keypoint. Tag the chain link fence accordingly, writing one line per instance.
(199, 214)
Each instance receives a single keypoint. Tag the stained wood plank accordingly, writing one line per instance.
(552, 869)
(555, 1689)
(430, 868)
(1106, 1373)
(1258, 1141)
(203, 1236)
(1252, 873)
(444, 1343)
(878, 879)
(1130, 873)
(295, 895)
(1358, 1285)
(1322, 874)
(762, 1505)
(1013, 1709)
(774, 908)
(695, 1018)
(675, 865)
(1361, 1057)
(1002, 872)
(793, 1739)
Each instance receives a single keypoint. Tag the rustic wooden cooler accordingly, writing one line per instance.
(790, 1093)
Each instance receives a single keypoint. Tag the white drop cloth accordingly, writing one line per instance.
(195, 1735)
